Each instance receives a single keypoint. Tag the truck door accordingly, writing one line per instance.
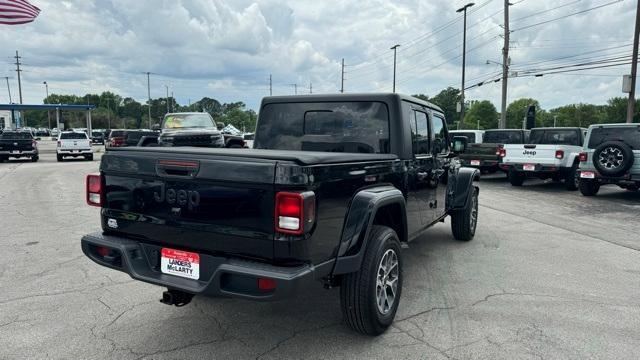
(440, 149)
(421, 184)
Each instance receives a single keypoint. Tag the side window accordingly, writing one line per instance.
(441, 140)
(421, 139)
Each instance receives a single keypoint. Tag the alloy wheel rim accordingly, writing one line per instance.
(387, 281)
(611, 158)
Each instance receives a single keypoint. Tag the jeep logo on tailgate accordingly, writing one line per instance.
(188, 198)
(529, 152)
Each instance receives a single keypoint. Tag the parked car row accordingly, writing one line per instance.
(582, 158)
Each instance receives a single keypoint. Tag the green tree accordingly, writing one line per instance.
(517, 110)
(481, 113)
(447, 100)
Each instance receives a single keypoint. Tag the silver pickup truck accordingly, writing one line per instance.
(551, 153)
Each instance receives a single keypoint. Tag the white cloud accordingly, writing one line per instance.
(227, 49)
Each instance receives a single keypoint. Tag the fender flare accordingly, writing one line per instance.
(358, 222)
(464, 183)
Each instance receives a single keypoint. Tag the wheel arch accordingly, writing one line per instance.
(463, 184)
(383, 205)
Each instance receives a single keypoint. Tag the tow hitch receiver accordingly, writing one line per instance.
(175, 297)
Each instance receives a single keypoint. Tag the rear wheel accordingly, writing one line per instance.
(59, 157)
(369, 298)
(571, 178)
(464, 221)
(516, 178)
(35, 158)
(89, 157)
(588, 187)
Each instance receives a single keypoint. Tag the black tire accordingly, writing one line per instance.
(3, 159)
(358, 290)
(235, 146)
(516, 178)
(613, 158)
(588, 187)
(464, 221)
(571, 178)
(89, 157)
(35, 158)
(59, 158)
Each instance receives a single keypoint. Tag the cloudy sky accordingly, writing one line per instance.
(227, 49)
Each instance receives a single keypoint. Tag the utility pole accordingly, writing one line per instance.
(394, 48)
(270, 85)
(634, 67)
(505, 68)
(555, 120)
(108, 113)
(17, 57)
(464, 57)
(342, 78)
(310, 88)
(173, 102)
(295, 88)
(167, 87)
(149, 95)
(8, 88)
(46, 88)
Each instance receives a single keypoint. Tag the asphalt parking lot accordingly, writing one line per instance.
(550, 275)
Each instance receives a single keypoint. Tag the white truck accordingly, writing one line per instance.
(75, 144)
(551, 153)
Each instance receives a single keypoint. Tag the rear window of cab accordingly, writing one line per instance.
(629, 135)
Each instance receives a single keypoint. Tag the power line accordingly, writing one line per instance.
(566, 16)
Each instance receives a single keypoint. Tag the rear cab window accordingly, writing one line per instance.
(628, 135)
(471, 137)
(503, 137)
(555, 137)
(350, 127)
(74, 136)
(15, 135)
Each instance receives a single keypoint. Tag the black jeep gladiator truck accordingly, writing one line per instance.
(487, 156)
(18, 144)
(333, 187)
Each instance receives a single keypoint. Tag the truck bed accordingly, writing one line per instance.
(299, 157)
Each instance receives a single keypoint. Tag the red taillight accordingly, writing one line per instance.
(502, 152)
(94, 190)
(102, 251)
(559, 154)
(266, 284)
(294, 212)
(582, 157)
(117, 141)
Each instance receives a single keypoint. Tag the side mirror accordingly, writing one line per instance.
(155, 127)
(460, 144)
(219, 126)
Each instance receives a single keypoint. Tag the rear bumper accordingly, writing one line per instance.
(219, 276)
(482, 164)
(538, 169)
(602, 179)
(74, 153)
(21, 153)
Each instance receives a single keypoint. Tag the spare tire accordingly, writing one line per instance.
(613, 158)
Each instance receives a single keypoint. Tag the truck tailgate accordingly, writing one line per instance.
(531, 154)
(202, 203)
(481, 152)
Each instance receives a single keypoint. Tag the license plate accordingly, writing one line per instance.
(475, 162)
(587, 175)
(75, 151)
(528, 167)
(15, 151)
(180, 263)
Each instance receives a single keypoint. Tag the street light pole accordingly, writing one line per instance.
(8, 88)
(149, 95)
(167, 87)
(394, 48)
(634, 66)
(46, 88)
(464, 57)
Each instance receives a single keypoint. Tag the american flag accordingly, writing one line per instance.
(15, 12)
